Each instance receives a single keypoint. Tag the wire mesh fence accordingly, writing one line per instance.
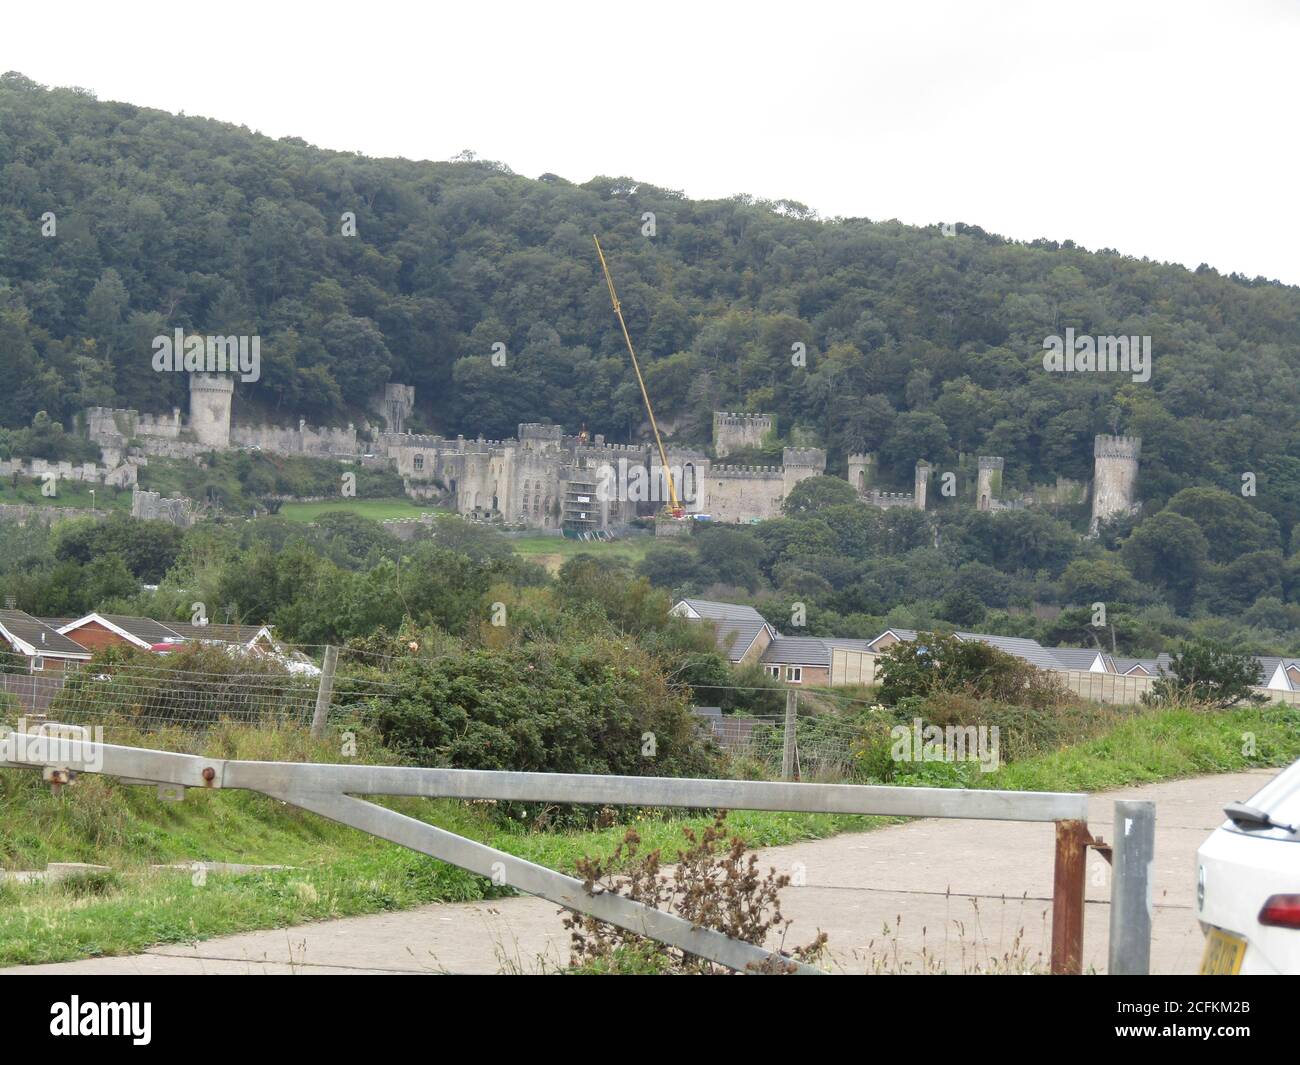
(153, 692)
(199, 687)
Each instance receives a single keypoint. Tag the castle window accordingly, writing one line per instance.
(419, 462)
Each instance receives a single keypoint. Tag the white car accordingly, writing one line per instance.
(1248, 883)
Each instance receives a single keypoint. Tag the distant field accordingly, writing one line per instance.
(552, 551)
(375, 509)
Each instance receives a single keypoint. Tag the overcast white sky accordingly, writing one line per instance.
(1165, 129)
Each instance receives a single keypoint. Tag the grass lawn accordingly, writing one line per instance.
(376, 509)
(339, 871)
(70, 494)
(553, 551)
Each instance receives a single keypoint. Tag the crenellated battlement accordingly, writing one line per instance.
(1117, 447)
(805, 457)
(746, 471)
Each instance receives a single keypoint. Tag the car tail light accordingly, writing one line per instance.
(1281, 911)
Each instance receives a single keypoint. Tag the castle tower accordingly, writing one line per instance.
(922, 483)
(396, 403)
(862, 472)
(1114, 476)
(733, 432)
(799, 463)
(989, 484)
(210, 396)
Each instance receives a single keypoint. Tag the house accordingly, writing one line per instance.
(743, 634)
(249, 636)
(44, 648)
(804, 659)
(1027, 650)
(1081, 658)
(1139, 667)
(1279, 674)
(253, 641)
(96, 631)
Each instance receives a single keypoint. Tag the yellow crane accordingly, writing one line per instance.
(675, 507)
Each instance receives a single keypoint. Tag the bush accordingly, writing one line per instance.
(942, 663)
(1207, 673)
(601, 707)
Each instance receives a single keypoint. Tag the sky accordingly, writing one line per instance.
(1160, 129)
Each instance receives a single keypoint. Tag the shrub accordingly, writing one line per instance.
(1207, 673)
(599, 707)
(936, 662)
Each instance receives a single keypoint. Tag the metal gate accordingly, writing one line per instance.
(60, 752)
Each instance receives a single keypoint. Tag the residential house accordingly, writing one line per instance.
(1030, 651)
(1279, 674)
(742, 633)
(1082, 658)
(43, 649)
(804, 659)
(96, 631)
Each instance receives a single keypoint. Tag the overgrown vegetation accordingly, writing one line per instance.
(715, 883)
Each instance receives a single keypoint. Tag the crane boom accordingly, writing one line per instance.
(675, 506)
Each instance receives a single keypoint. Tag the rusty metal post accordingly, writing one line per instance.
(1068, 882)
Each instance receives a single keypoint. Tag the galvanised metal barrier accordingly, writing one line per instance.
(61, 752)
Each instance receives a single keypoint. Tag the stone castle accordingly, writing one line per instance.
(545, 479)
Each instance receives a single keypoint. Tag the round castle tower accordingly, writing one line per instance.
(989, 482)
(1115, 472)
(862, 468)
(210, 397)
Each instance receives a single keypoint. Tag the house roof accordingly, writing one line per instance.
(31, 636)
(798, 651)
(808, 650)
(143, 632)
(737, 637)
(710, 610)
(1076, 657)
(218, 633)
(737, 626)
(1030, 651)
(1153, 666)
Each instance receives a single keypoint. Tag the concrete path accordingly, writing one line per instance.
(959, 896)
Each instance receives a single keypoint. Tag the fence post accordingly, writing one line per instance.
(324, 692)
(1130, 892)
(1068, 883)
(787, 748)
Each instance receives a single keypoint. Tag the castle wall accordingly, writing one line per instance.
(745, 493)
(304, 440)
(120, 476)
(153, 506)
